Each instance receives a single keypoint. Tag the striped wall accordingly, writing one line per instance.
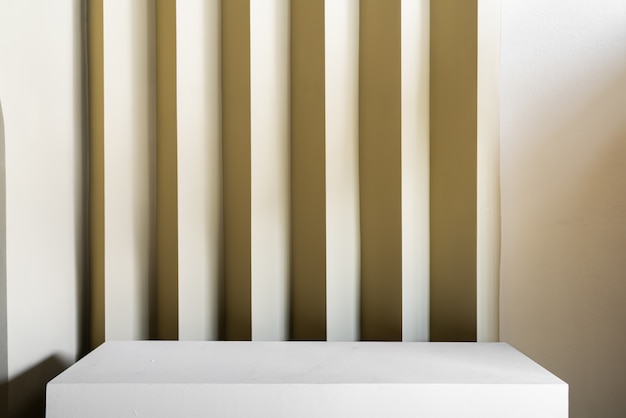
(291, 169)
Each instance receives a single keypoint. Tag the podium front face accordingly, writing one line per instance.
(306, 379)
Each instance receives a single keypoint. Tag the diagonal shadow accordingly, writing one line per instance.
(24, 395)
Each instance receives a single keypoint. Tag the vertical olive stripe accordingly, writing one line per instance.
(236, 168)
(453, 103)
(308, 219)
(380, 170)
(167, 200)
(96, 167)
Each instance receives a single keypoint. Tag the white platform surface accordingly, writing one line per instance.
(306, 379)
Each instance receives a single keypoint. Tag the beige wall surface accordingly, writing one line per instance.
(563, 155)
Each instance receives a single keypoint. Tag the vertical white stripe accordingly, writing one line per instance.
(342, 171)
(199, 167)
(129, 157)
(415, 170)
(488, 199)
(269, 72)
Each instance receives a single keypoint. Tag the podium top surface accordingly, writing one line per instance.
(182, 362)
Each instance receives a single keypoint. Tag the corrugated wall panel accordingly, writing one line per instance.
(96, 170)
(274, 169)
(415, 170)
(200, 235)
(342, 170)
(453, 130)
(236, 162)
(166, 173)
(380, 169)
(269, 103)
(488, 176)
(308, 203)
(129, 164)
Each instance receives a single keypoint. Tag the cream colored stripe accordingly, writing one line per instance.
(380, 169)
(308, 220)
(167, 190)
(129, 128)
(200, 250)
(96, 169)
(453, 170)
(236, 168)
(342, 173)
(269, 94)
(415, 169)
(488, 252)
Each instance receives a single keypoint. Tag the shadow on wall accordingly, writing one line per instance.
(22, 396)
(26, 393)
(564, 233)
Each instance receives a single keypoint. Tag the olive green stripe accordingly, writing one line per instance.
(236, 168)
(167, 190)
(453, 124)
(96, 168)
(380, 169)
(308, 195)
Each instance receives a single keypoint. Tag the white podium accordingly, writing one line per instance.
(306, 379)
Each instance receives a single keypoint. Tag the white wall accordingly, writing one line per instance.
(40, 94)
(563, 159)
